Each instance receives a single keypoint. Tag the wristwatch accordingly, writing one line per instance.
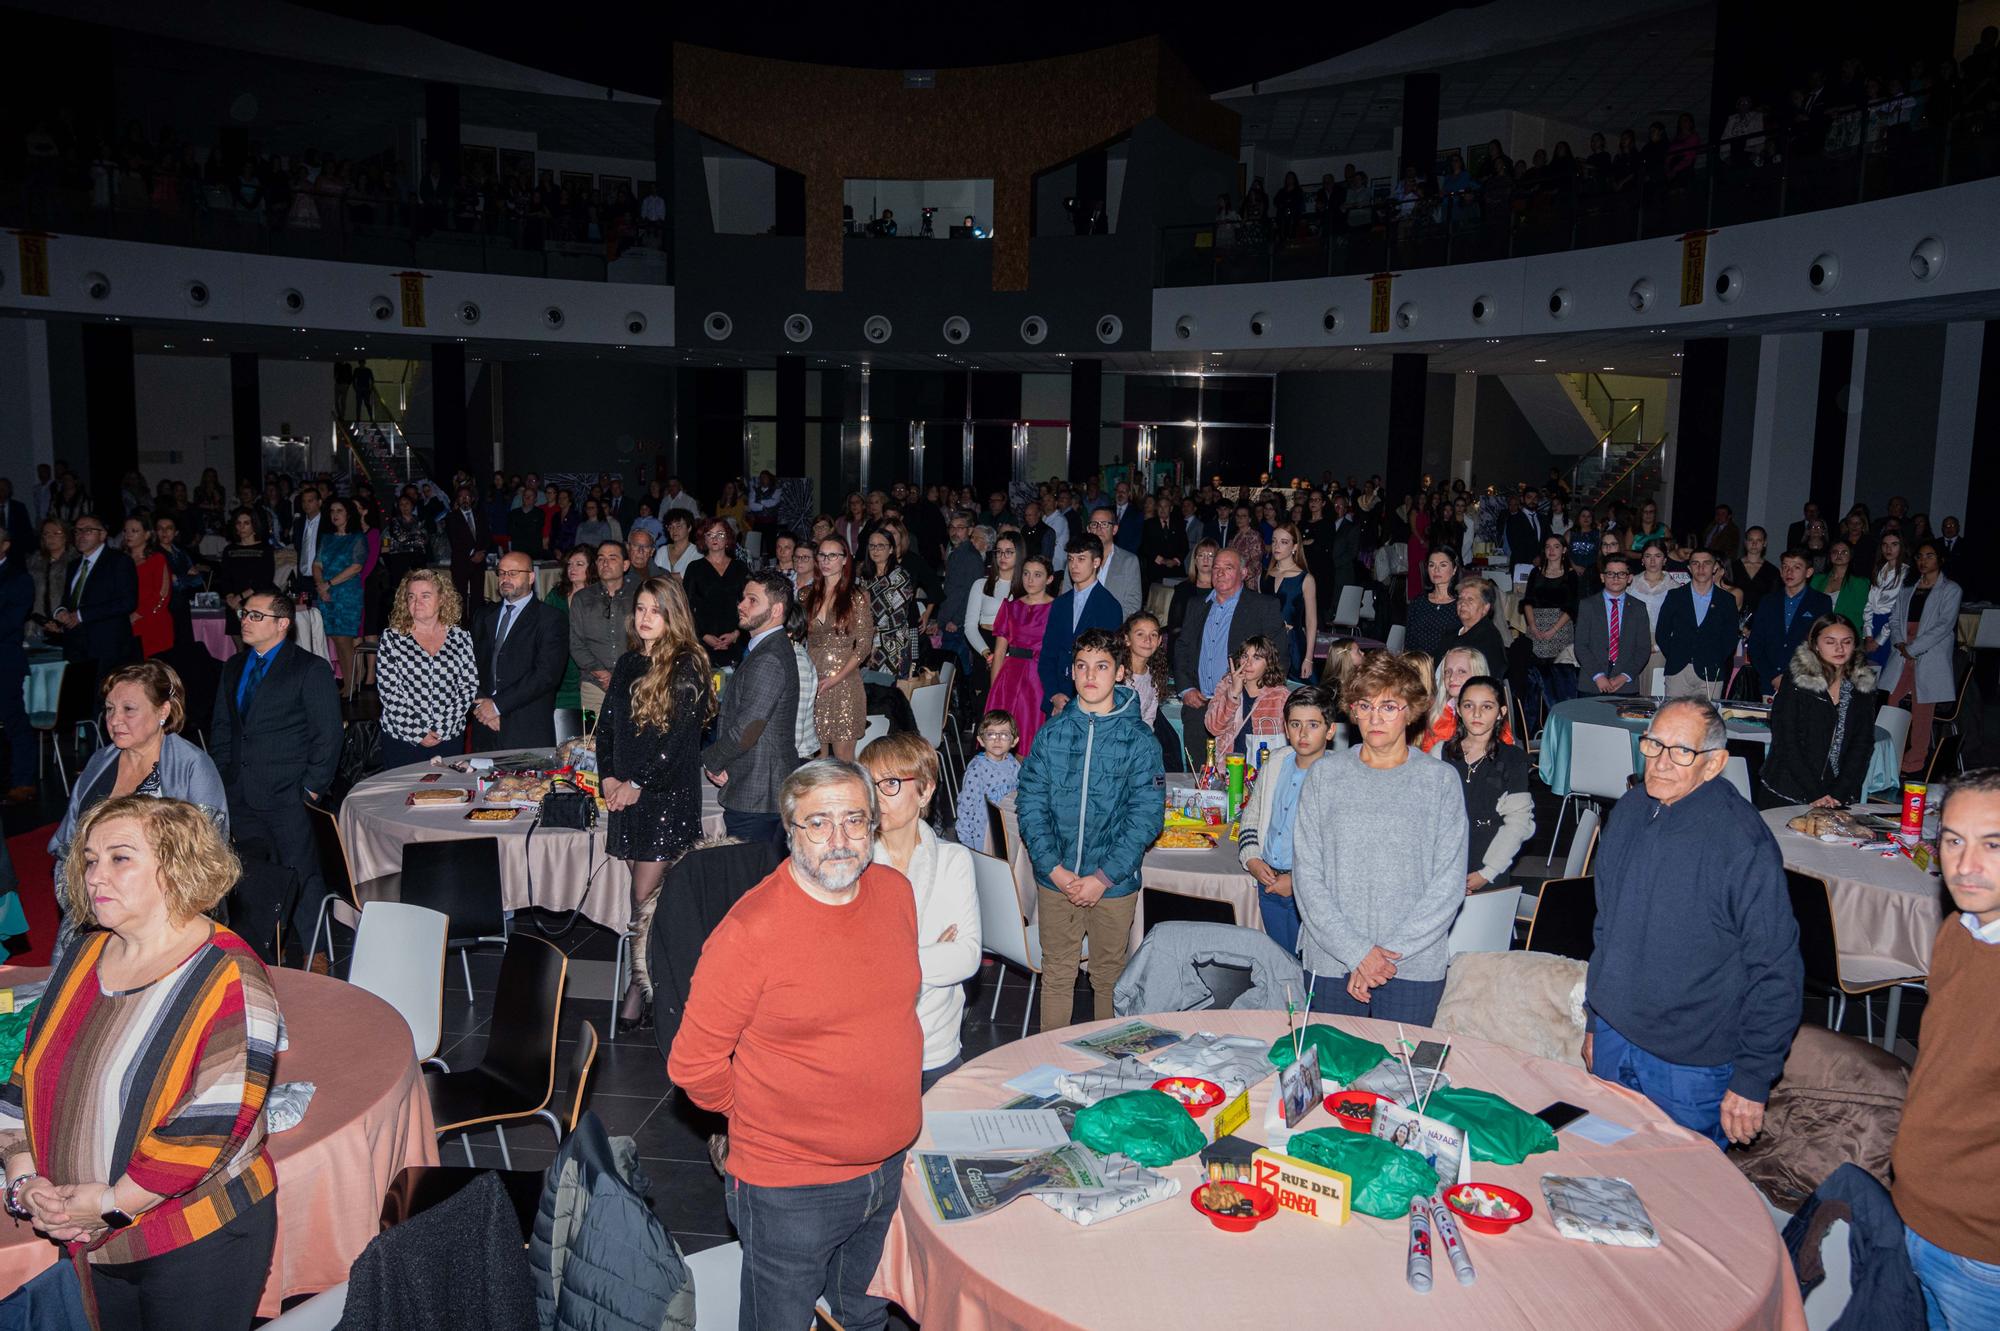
(113, 1218)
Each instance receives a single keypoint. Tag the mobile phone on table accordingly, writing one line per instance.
(1560, 1115)
(430, 777)
(1429, 1056)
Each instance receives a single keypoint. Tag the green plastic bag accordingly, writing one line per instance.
(1342, 1057)
(1385, 1175)
(1500, 1130)
(14, 1034)
(1150, 1127)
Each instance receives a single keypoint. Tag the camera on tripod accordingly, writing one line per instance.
(927, 229)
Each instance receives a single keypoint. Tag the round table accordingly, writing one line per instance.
(1886, 911)
(567, 869)
(1883, 765)
(211, 630)
(369, 1119)
(1720, 1264)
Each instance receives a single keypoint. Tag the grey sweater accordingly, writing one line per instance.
(1379, 860)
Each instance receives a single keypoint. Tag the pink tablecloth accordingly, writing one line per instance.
(211, 631)
(368, 1120)
(1720, 1266)
(1886, 911)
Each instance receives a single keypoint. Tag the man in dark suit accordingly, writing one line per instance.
(1216, 625)
(17, 598)
(1795, 535)
(96, 613)
(1782, 619)
(522, 645)
(16, 519)
(276, 743)
(466, 532)
(1698, 631)
(1722, 535)
(1129, 516)
(1088, 604)
(1607, 661)
(1524, 531)
(755, 746)
(1163, 546)
(1345, 554)
(1194, 524)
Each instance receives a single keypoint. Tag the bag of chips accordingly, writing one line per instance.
(1148, 1126)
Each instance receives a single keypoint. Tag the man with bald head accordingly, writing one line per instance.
(522, 645)
(1215, 627)
(1695, 980)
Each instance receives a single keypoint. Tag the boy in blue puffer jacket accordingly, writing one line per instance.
(1090, 807)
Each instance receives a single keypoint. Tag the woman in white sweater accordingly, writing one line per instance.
(987, 594)
(905, 769)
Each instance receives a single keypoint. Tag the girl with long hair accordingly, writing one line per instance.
(840, 633)
(648, 753)
(1017, 646)
(893, 596)
(342, 556)
(1298, 597)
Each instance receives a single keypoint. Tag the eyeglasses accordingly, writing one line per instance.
(1682, 755)
(1385, 710)
(831, 556)
(892, 786)
(853, 826)
(256, 616)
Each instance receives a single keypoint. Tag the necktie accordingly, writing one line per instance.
(500, 634)
(253, 677)
(1616, 603)
(76, 588)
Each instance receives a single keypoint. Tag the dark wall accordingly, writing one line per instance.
(1739, 423)
(583, 415)
(1335, 420)
(1899, 416)
(1505, 447)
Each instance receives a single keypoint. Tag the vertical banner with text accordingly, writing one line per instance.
(34, 247)
(413, 299)
(1378, 302)
(1694, 267)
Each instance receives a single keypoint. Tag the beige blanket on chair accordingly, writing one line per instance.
(1531, 1001)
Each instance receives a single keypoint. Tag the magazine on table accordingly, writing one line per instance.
(964, 1187)
(1131, 1039)
(1447, 1148)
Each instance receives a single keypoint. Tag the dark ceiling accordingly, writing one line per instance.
(625, 46)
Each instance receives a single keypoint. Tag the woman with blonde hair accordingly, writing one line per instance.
(425, 672)
(648, 748)
(1452, 670)
(136, 1133)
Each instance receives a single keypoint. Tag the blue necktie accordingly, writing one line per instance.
(500, 634)
(253, 676)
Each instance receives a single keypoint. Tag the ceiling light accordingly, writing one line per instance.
(1541, 360)
(1609, 368)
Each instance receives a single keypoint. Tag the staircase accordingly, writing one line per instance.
(1627, 472)
(381, 452)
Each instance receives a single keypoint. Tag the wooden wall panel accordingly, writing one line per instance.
(1004, 123)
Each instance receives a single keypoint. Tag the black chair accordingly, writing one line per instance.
(458, 878)
(516, 1078)
(996, 832)
(1565, 920)
(697, 892)
(1840, 977)
(344, 897)
(581, 1061)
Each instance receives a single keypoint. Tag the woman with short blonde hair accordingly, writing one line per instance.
(140, 1089)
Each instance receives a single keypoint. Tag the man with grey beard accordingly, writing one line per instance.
(801, 1027)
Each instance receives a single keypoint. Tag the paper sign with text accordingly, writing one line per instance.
(1303, 1188)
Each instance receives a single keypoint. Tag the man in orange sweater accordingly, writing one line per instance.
(1948, 1145)
(801, 1026)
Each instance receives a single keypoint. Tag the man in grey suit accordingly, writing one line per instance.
(1607, 665)
(1216, 625)
(754, 749)
(1120, 571)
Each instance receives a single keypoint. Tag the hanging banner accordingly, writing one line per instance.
(1378, 302)
(34, 262)
(413, 299)
(1694, 266)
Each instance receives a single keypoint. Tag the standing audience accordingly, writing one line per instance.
(426, 674)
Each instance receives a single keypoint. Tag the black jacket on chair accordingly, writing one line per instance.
(700, 889)
(1796, 770)
(289, 741)
(523, 680)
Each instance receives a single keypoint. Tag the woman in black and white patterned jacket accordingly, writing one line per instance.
(425, 672)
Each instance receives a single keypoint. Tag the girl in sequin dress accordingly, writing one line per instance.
(648, 750)
(840, 634)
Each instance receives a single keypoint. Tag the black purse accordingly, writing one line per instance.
(569, 806)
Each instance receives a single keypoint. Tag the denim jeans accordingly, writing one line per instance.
(1959, 1293)
(753, 826)
(1281, 919)
(822, 1239)
(1690, 1094)
(1413, 1001)
(932, 1076)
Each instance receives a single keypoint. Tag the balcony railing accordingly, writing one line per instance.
(1852, 155)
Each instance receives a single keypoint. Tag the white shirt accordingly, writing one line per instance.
(1079, 595)
(680, 566)
(940, 877)
(980, 612)
(683, 501)
(309, 541)
(1985, 933)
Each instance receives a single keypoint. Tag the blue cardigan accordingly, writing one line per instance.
(1100, 611)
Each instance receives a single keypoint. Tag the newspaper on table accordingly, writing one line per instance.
(1233, 1062)
(1599, 1210)
(964, 1187)
(1403, 1085)
(1129, 1039)
(1129, 1186)
(1065, 1109)
(1087, 1088)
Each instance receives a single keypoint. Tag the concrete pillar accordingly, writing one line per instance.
(27, 417)
(1464, 408)
(1781, 435)
(1951, 481)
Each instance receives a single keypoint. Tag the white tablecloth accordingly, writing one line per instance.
(1885, 908)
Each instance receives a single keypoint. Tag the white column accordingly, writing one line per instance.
(27, 422)
(1670, 432)
(1850, 459)
(1464, 408)
(1781, 432)
(1958, 404)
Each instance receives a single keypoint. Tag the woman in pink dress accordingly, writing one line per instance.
(1017, 646)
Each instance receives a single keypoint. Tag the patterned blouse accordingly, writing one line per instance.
(165, 1083)
(894, 601)
(423, 693)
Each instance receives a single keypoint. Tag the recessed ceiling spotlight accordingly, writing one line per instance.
(1541, 360)
(1609, 368)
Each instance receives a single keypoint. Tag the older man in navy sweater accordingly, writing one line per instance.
(1696, 981)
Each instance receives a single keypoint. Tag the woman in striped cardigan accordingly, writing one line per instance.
(140, 1090)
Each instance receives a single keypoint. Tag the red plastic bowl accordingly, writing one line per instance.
(1211, 1094)
(1263, 1207)
(1342, 1104)
(1480, 1224)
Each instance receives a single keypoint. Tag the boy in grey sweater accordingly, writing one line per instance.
(1379, 866)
